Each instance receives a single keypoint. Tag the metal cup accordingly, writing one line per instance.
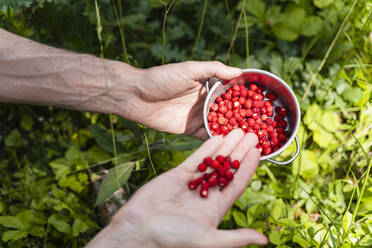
(272, 83)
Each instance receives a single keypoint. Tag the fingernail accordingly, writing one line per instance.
(235, 70)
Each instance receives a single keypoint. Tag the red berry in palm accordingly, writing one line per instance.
(229, 175)
(204, 193)
(215, 164)
(205, 185)
(192, 185)
(220, 158)
(235, 164)
(202, 167)
(208, 161)
(206, 176)
(212, 181)
(222, 181)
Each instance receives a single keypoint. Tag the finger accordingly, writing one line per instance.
(201, 133)
(242, 177)
(209, 148)
(250, 141)
(231, 141)
(223, 146)
(235, 238)
(203, 69)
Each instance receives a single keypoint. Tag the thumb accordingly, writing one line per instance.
(235, 238)
(208, 69)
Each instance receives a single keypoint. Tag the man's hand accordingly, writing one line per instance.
(165, 213)
(167, 98)
(171, 97)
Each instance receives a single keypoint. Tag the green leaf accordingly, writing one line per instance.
(306, 165)
(290, 23)
(273, 14)
(60, 167)
(277, 209)
(13, 139)
(240, 218)
(274, 237)
(60, 224)
(116, 178)
(312, 25)
(71, 182)
(322, 3)
(256, 8)
(313, 114)
(11, 221)
(37, 231)
(27, 122)
(133, 126)
(25, 217)
(104, 139)
(251, 197)
(346, 221)
(97, 155)
(16, 5)
(299, 239)
(323, 138)
(180, 144)
(352, 94)
(14, 235)
(73, 154)
(79, 227)
(330, 121)
(256, 185)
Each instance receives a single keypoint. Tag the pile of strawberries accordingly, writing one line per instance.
(222, 173)
(251, 109)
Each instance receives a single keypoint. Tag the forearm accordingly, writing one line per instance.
(37, 74)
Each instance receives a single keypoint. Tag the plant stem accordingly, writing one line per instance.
(200, 29)
(121, 29)
(148, 152)
(167, 9)
(235, 33)
(99, 30)
(246, 39)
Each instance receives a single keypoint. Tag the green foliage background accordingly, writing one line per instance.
(51, 160)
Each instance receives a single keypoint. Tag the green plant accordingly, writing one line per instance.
(52, 160)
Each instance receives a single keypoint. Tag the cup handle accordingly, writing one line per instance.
(291, 159)
(207, 85)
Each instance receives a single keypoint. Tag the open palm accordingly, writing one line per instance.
(165, 213)
(171, 97)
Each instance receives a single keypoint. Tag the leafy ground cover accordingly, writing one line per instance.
(52, 160)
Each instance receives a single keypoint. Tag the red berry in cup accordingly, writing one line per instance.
(252, 108)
